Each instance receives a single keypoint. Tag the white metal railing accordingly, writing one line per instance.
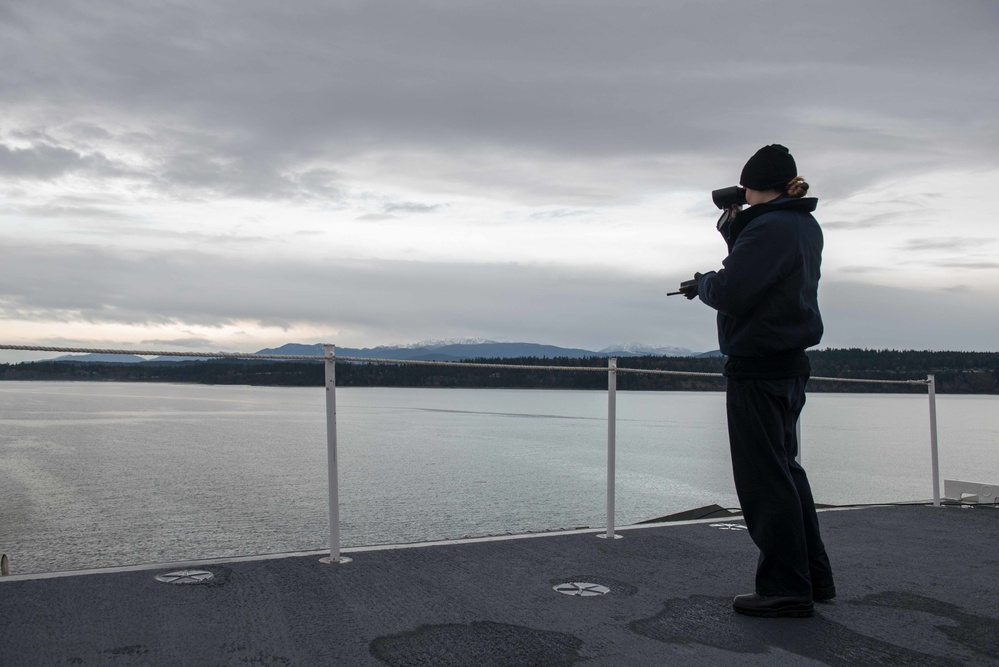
(329, 357)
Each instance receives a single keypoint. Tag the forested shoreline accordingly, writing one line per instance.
(955, 372)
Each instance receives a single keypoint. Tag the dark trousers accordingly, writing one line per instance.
(773, 489)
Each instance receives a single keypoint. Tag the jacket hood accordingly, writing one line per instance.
(807, 204)
(803, 204)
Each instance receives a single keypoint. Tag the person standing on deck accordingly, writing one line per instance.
(768, 314)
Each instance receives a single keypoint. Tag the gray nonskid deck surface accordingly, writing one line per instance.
(917, 586)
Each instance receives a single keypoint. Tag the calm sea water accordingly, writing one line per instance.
(95, 474)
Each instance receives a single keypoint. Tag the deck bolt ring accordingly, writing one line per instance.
(581, 589)
(186, 577)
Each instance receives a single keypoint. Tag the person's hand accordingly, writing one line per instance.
(727, 216)
(688, 288)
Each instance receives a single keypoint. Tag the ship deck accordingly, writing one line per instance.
(916, 586)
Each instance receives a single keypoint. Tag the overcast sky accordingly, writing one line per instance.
(238, 174)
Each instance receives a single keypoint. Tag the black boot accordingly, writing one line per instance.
(823, 590)
(773, 606)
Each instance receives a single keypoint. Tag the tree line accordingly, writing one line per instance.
(955, 372)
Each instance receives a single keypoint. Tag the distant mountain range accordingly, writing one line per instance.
(448, 350)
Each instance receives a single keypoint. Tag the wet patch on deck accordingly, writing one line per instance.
(710, 621)
(978, 633)
(483, 643)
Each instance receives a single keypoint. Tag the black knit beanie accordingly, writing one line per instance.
(770, 168)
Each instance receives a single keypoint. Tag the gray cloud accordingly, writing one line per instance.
(872, 316)
(849, 224)
(856, 268)
(406, 301)
(270, 86)
(193, 343)
(401, 301)
(118, 225)
(410, 207)
(967, 253)
(946, 243)
(67, 208)
(43, 161)
(867, 222)
(320, 184)
(968, 264)
(562, 105)
(559, 213)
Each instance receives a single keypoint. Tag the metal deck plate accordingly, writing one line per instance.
(581, 589)
(729, 526)
(185, 577)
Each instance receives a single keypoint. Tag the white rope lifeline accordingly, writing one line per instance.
(412, 362)
(154, 353)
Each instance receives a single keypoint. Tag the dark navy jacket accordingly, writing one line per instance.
(767, 293)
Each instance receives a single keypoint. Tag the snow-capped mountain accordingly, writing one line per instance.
(435, 343)
(457, 349)
(437, 350)
(643, 350)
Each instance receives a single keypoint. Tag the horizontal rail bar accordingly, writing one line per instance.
(413, 362)
(156, 353)
(916, 382)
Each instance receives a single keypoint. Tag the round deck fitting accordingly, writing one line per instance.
(341, 560)
(185, 577)
(728, 526)
(581, 589)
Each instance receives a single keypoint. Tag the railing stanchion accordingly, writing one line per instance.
(797, 438)
(934, 454)
(329, 354)
(611, 447)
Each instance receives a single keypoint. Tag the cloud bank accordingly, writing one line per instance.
(388, 171)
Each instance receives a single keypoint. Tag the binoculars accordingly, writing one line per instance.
(726, 198)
